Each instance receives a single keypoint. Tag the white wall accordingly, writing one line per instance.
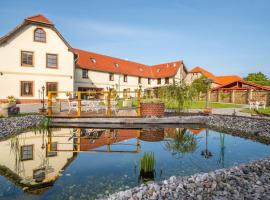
(97, 79)
(13, 72)
(25, 168)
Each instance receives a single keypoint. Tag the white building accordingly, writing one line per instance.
(99, 72)
(35, 54)
(32, 55)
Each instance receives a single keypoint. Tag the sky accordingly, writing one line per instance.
(226, 37)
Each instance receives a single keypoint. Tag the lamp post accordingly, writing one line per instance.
(209, 81)
(206, 153)
(43, 110)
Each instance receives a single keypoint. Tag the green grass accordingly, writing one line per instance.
(201, 105)
(193, 105)
(261, 110)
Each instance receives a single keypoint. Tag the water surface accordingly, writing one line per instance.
(67, 163)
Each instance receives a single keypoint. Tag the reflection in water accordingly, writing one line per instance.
(34, 161)
(180, 142)
(206, 153)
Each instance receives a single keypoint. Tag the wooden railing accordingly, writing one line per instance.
(106, 94)
(78, 146)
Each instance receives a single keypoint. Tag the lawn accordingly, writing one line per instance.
(261, 110)
(192, 105)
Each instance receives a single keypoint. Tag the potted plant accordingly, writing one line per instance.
(8, 107)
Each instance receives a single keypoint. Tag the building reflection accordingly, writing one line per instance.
(34, 161)
(26, 162)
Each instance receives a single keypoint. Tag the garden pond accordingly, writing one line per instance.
(86, 163)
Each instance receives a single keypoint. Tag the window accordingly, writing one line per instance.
(111, 77)
(27, 88)
(149, 81)
(84, 73)
(53, 148)
(39, 35)
(159, 81)
(125, 78)
(27, 152)
(39, 174)
(52, 61)
(126, 92)
(27, 58)
(139, 80)
(93, 60)
(167, 80)
(116, 65)
(51, 86)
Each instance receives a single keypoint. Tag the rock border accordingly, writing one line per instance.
(247, 181)
(15, 125)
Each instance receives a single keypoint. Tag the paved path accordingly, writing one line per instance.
(32, 108)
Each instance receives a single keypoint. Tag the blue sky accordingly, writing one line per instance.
(225, 37)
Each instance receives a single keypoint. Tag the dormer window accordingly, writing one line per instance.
(116, 65)
(93, 60)
(158, 70)
(39, 35)
(141, 69)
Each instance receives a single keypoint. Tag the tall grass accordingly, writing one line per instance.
(147, 162)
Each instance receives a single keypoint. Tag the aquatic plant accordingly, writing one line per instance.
(181, 142)
(147, 162)
(147, 167)
(43, 125)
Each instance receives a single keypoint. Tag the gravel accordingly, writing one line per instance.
(15, 125)
(248, 181)
(248, 125)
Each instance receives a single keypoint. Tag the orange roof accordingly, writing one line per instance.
(104, 139)
(196, 131)
(216, 79)
(227, 79)
(39, 18)
(234, 86)
(121, 66)
(203, 72)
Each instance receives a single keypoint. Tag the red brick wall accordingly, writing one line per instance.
(152, 135)
(152, 109)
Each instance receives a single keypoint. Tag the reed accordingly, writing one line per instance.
(147, 162)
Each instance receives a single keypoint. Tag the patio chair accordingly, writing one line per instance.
(72, 105)
(260, 104)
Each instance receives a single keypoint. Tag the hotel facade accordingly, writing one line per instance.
(35, 55)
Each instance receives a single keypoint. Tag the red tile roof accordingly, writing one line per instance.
(234, 86)
(121, 66)
(104, 139)
(227, 79)
(221, 80)
(39, 18)
(196, 131)
(203, 72)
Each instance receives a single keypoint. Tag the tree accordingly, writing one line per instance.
(200, 85)
(258, 78)
(181, 142)
(176, 95)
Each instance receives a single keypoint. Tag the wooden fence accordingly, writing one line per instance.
(236, 96)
